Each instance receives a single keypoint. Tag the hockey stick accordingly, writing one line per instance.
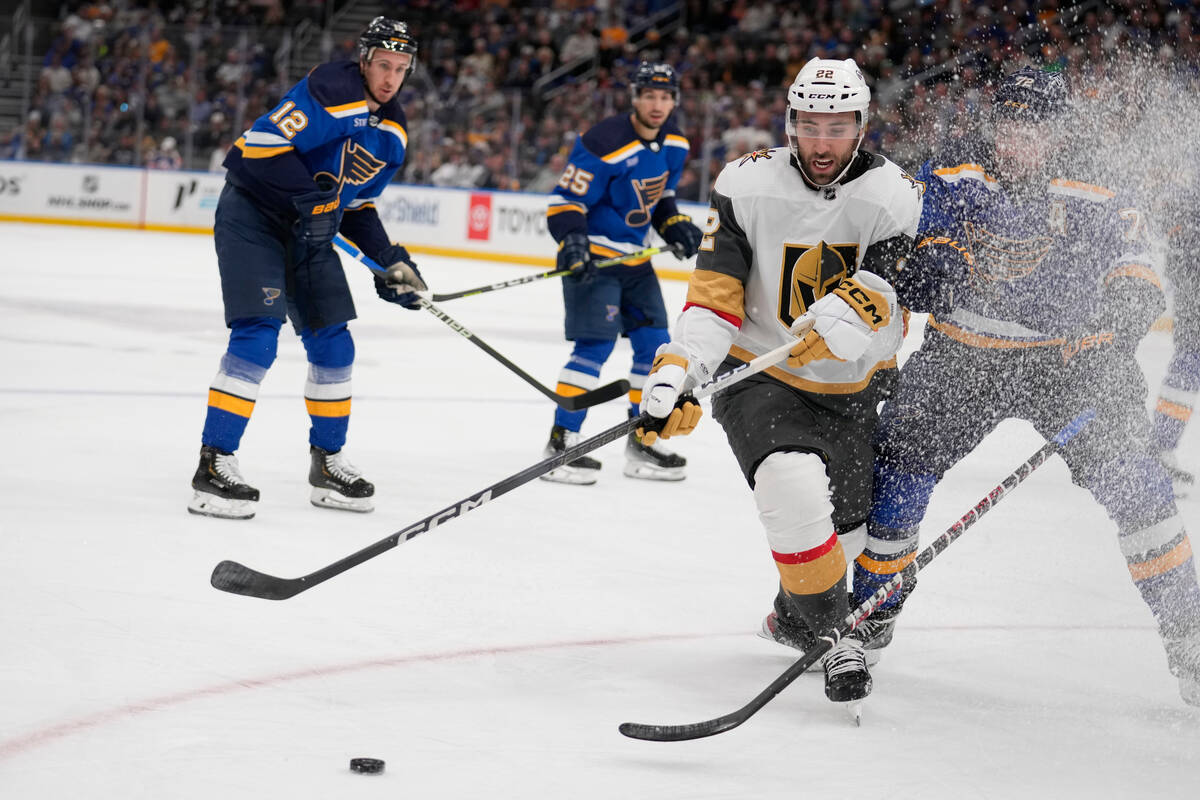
(602, 394)
(230, 576)
(556, 273)
(826, 642)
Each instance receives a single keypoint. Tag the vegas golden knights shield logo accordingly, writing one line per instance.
(809, 273)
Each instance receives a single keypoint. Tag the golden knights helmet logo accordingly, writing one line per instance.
(998, 258)
(809, 273)
(358, 166)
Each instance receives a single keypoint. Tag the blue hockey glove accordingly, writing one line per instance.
(319, 215)
(402, 282)
(679, 230)
(575, 254)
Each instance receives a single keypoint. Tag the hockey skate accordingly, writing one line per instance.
(652, 462)
(847, 679)
(220, 489)
(1183, 660)
(583, 471)
(337, 483)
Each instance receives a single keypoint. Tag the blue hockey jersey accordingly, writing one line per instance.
(616, 185)
(323, 127)
(1043, 259)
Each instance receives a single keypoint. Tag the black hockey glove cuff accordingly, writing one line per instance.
(575, 255)
(318, 217)
(680, 231)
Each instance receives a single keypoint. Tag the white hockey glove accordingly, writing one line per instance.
(843, 321)
(663, 397)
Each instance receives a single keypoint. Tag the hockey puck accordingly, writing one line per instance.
(367, 766)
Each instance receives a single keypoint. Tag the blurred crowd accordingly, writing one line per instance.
(170, 83)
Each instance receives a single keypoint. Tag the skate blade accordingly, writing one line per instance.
(209, 505)
(649, 472)
(328, 498)
(855, 709)
(578, 477)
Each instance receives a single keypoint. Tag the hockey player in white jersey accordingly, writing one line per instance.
(801, 238)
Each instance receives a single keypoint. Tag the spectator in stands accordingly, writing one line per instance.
(166, 155)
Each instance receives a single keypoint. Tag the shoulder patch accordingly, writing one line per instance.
(1081, 191)
(755, 156)
(969, 171)
(337, 86)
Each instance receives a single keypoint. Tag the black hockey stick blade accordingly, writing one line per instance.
(235, 578)
(602, 394)
(699, 730)
(727, 722)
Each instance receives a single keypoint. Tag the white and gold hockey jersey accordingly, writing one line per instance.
(773, 245)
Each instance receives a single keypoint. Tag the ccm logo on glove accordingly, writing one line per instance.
(870, 304)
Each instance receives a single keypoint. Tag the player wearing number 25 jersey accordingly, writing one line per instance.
(619, 182)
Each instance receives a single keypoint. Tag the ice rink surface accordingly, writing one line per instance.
(496, 655)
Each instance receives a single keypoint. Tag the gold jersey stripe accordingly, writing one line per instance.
(717, 291)
(328, 408)
(983, 340)
(884, 567)
(567, 390)
(227, 402)
(1173, 410)
(814, 577)
(1164, 563)
(816, 387)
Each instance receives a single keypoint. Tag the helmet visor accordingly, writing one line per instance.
(811, 125)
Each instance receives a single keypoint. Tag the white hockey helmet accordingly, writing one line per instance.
(828, 86)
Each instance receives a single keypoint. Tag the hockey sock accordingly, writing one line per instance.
(1176, 400)
(581, 374)
(791, 490)
(327, 389)
(1136, 493)
(231, 396)
(897, 508)
(645, 343)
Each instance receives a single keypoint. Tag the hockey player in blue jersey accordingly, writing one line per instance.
(306, 170)
(1180, 387)
(619, 182)
(1056, 290)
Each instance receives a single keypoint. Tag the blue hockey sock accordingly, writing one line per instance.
(327, 389)
(234, 390)
(581, 374)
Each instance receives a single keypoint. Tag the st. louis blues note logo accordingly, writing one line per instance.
(611, 312)
(1000, 258)
(270, 295)
(358, 166)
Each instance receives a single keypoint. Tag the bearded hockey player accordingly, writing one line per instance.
(799, 237)
(1056, 290)
(310, 167)
(618, 183)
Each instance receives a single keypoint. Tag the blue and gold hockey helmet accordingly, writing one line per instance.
(1031, 95)
(652, 75)
(391, 35)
